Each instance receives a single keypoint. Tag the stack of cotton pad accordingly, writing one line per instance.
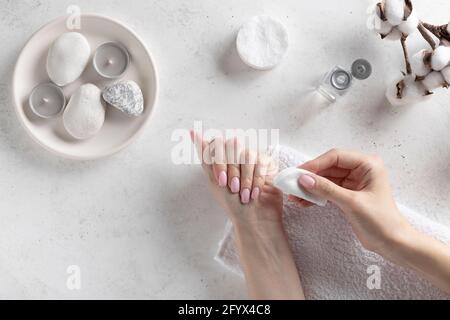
(262, 43)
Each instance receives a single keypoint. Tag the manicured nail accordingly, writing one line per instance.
(307, 181)
(245, 195)
(235, 185)
(223, 179)
(255, 193)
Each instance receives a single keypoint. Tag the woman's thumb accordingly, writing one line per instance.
(324, 188)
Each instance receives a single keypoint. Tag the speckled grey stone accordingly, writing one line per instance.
(125, 96)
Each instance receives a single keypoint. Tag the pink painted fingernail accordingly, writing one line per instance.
(235, 185)
(245, 195)
(255, 193)
(223, 179)
(307, 181)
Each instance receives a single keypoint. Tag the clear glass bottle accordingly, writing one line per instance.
(338, 80)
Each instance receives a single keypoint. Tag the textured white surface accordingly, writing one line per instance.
(136, 237)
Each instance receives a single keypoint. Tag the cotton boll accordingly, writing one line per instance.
(409, 26)
(395, 35)
(446, 74)
(440, 58)
(395, 11)
(418, 65)
(380, 26)
(377, 24)
(444, 40)
(411, 92)
(433, 81)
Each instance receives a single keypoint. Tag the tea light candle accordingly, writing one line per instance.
(47, 100)
(111, 60)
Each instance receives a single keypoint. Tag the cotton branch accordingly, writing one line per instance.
(405, 53)
(441, 32)
(424, 32)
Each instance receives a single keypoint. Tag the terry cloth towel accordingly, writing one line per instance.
(331, 261)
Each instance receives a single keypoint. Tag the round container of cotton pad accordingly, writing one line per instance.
(262, 43)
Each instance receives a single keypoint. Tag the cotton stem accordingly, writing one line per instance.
(405, 53)
(424, 32)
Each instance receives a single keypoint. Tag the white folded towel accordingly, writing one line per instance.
(331, 261)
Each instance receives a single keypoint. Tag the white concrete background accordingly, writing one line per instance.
(140, 227)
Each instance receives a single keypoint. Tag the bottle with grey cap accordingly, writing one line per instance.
(338, 81)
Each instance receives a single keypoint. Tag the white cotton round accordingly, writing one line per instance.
(440, 58)
(446, 74)
(262, 43)
(413, 92)
(395, 35)
(419, 68)
(433, 81)
(85, 113)
(67, 58)
(394, 11)
(409, 26)
(380, 26)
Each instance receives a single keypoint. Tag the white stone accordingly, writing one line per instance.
(262, 43)
(440, 58)
(67, 58)
(85, 114)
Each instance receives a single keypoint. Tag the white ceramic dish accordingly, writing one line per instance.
(119, 130)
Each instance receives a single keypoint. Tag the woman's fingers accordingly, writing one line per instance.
(305, 204)
(243, 171)
(219, 161)
(202, 148)
(248, 162)
(300, 202)
(334, 158)
(233, 153)
(334, 172)
(262, 171)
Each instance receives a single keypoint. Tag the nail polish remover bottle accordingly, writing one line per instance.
(338, 81)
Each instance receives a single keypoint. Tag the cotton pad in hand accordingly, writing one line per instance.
(262, 43)
(287, 181)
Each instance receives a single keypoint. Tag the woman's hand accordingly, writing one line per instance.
(359, 185)
(240, 182)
